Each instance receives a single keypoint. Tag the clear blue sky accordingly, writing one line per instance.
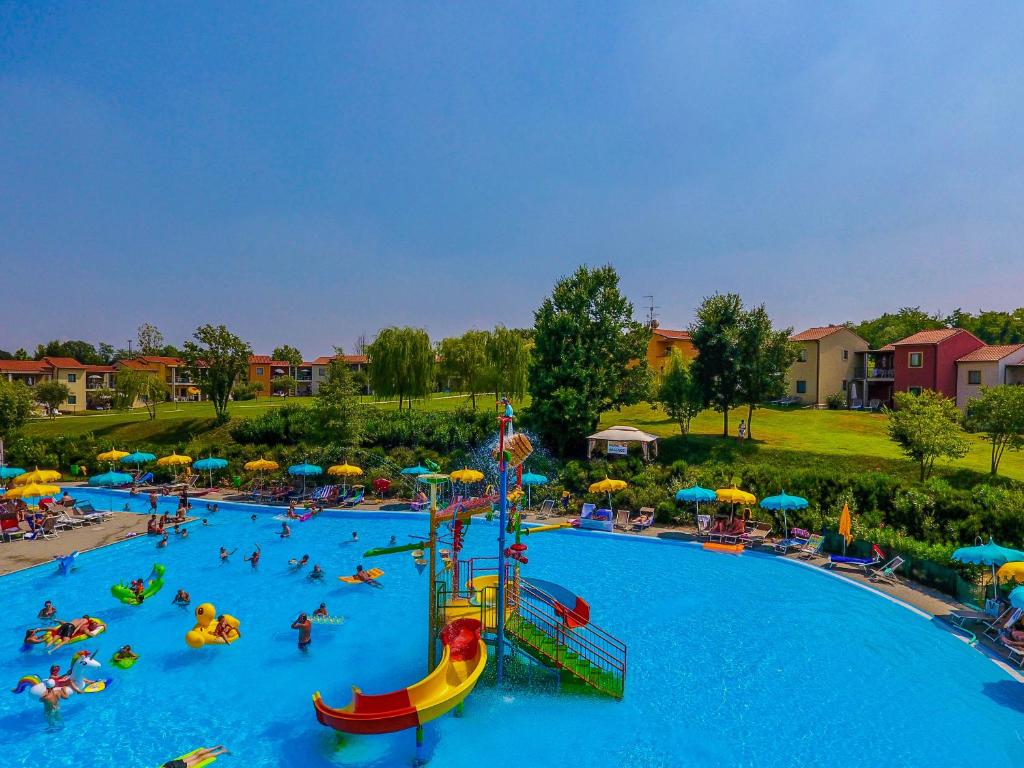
(305, 172)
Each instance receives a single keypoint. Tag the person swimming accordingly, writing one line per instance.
(47, 610)
(298, 563)
(163, 541)
(286, 532)
(254, 558)
(125, 653)
(181, 598)
(317, 572)
(321, 611)
(364, 576)
(224, 554)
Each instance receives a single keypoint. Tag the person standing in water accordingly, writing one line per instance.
(305, 627)
(254, 558)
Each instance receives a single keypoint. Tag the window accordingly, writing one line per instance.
(974, 377)
(846, 354)
(801, 356)
(914, 390)
(259, 371)
(320, 372)
(844, 385)
(72, 378)
(72, 399)
(801, 387)
(915, 359)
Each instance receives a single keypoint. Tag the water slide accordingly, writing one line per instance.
(463, 659)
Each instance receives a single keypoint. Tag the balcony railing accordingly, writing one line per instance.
(874, 372)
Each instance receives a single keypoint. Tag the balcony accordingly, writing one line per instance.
(874, 373)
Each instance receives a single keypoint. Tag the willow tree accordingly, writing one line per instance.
(401, 364)
(464, 361)
(508, 358)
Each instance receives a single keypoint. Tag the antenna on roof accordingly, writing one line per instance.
(652, 315)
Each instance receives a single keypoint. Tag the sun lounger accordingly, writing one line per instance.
(355, 496)
(812, 547)
(595, 519)
(862, 563)
(622, 519)
(86, 510)
(1004, 621)
(10, 528)
(1014, 651)
(645, 519)
(703, 526)
(756, 534)
(887, 572)
(547, 509)
(326, 494)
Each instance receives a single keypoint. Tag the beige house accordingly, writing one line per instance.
(66, 370)
(987, 366)
(827, 364)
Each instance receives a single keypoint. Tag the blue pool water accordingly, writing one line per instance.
(740, 661)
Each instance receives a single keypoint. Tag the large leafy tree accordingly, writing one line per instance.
(82, 351)
(718, 367)
(289, 354)
(999, 413)
(464, 362)
(589, 356)
(678, 393)
(927, 427)
(151, 341)
(401, 364)
(51, 394)
(139, 386)
(508, 361)
(16, 403)
(337, 415)
(216, 360)
(892, 327)
(765, 355)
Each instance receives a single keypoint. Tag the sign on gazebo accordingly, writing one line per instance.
(617, 439)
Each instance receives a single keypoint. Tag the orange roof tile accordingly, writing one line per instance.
(930, 337)
(664, 333)
(990, 353)
(25, 366)
(63, 362)
(159, 359)
(818, 332)
(100, 369)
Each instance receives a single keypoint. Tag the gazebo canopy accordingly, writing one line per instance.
(623, 435)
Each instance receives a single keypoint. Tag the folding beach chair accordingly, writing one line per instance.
(812, 547)
(1004, 621)
(703, 525)
(547, 509)
(887, 572)
(622, 519)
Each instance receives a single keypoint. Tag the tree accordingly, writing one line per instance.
(51, 394)
(765, 357)
(151, 341)
(5, 355)
(139, 386)
(16, 403)
(216, 360)
(999, 412)
(401, 364)
(289, 354)
(717, 369)
(20, 354)
(589, 356)
(464, 360)
(678, 394)
(893, 327)
(284, 384)
(82, 351)
(508, 358)
(152, 393)
(337, 415)
(927, 427)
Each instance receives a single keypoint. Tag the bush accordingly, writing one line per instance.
(247, 390)
(835, 401)
(287, 425)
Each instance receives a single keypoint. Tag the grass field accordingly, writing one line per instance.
(794, 437)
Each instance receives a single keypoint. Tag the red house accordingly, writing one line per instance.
(927, 360)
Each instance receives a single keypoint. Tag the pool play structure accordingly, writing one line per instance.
(482, 600)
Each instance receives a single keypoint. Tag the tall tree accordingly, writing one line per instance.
(678, 393)
(151, 341)
(717, 369)
(999, 413)
(51, 394)
(765, 357)
(893, 327)
(337, 415)
(589, 356)
(147, 388)
(927, 427)
(289, 354)
(82, 351)
(464, 361)
(508, 358)
(401, 363)
(216, 360)
(16, 403)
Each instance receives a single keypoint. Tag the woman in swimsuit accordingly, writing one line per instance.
(47, 610)
(254, 558)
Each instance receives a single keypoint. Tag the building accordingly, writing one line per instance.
(263, 369)
(308, 375)
(170, 370)
(826, 364)
(66, 370)
(99, 382)
(988, 366)
(318, 368)
(874, 378)
(928, 360)
(660, 347)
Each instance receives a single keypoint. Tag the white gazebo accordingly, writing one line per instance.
(623, 436)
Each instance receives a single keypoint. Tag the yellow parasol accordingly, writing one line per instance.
(467, 475)
(1011, 572)
(174, 460)
(31, 490)
(344, 470)
(112, 455)
(608, 485)
(261, 465)
(735, 496)
(37, 476)
(845, 526)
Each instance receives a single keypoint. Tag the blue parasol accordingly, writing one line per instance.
(784, 503)
(304, 471)
(531, 479)
(695, 495)
(210, 464)
(111, 479)
(989, 554)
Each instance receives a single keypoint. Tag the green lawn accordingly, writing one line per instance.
(798, 435)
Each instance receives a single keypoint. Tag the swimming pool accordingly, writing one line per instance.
(744, 660)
